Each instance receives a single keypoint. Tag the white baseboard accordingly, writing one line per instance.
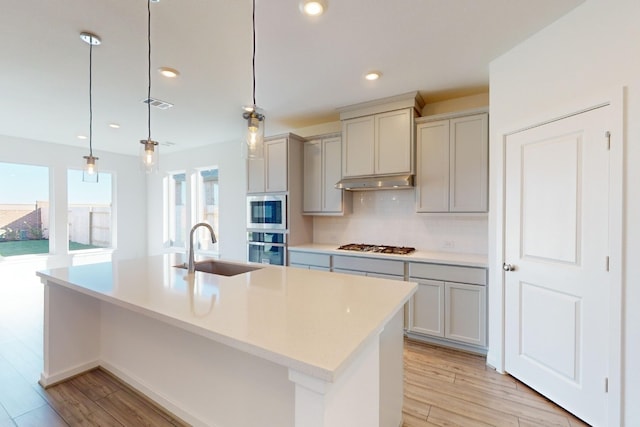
(52, 379)
(160, 400)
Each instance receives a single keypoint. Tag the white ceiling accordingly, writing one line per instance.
(306, 68)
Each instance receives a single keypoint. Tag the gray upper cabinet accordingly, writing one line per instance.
(269, 174)
(380, 144)
(322, 160)
(378, 137)
(453, 164)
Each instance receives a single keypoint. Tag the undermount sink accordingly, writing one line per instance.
(222, 268)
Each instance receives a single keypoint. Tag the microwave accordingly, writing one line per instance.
(267, 212)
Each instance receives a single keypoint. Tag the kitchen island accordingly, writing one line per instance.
(276, 346)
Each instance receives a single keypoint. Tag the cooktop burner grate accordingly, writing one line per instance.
(362, 247)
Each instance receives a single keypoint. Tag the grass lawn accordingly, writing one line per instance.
(25, 247)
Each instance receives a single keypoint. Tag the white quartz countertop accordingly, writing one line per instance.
(449, 258)
(310, 321)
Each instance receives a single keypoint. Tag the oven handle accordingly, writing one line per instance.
(267, 243)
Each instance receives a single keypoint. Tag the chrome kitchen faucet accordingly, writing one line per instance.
(192, 267)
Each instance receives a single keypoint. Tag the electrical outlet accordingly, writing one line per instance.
(448, 244)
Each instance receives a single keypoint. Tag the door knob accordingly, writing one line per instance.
(508, 267)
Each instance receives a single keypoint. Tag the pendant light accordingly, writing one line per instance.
(149, 148)
(90, 170)
(252, 114)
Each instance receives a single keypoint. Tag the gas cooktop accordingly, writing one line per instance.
(381, 249)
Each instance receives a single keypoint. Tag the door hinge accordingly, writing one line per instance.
(606, 385)
(607, 134)
(607, 263)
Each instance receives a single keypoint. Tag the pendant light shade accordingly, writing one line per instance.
(255, 133)
(149, 153)
(90, 170)
(252, 114)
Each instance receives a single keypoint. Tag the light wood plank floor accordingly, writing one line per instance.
(443, 387)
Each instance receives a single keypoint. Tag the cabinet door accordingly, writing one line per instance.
(465, 308)
(426, 310)
(255, 176)
(393, 142)
(433, 167)
(276, 165)
(312, 177)
(332, 167)
(469, 151)
(357, 146)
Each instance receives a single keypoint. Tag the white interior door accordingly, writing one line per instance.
(557, 242)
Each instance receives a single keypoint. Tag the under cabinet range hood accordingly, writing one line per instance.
(376, 183)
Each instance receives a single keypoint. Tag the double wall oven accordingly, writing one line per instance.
(267, 229)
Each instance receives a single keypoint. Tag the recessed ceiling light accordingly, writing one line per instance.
(373, 75)
(82, 137)
(169, 72)
(114, 126)
(313, 7)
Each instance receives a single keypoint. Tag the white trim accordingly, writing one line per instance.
(615, 99)
(140, 387)
(49, 380)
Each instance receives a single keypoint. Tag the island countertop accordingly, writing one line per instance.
(310, 321)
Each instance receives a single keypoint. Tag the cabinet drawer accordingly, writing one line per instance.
(386, 276)
(352, 272)
(369, 265)
(319, 260)
(449, 273)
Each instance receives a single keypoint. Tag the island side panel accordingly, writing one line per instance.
(352, 400)
(201, 381)
(71, 333)
(392, 371)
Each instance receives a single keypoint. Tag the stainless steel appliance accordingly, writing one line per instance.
(268, 212)
(267, 247)
(381, 249)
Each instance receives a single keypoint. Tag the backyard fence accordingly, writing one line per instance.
(88, 224)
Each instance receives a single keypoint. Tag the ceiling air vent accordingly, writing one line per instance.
(162, 105)
(168, 144)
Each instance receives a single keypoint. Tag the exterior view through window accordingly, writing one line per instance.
(89, 211)
(176, 209)
(24, 209)
(207, 207)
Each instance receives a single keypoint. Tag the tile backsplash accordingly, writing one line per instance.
(388, 217)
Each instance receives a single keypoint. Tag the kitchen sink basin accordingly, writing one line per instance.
(222, 268)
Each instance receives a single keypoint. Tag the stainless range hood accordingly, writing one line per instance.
(376, 183)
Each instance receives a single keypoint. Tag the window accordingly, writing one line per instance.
(206, 208)
(89, 211)
(24, 209)
(176, 209)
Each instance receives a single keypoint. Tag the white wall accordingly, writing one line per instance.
(593, 49)
(388, 217)
(233, 188)
(129, 204)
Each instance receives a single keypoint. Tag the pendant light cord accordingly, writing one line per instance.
(253, 59)
(90, 99)
(149, 70)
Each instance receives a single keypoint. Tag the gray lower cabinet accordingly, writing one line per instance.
(450, 303)
(383, 268)
(449, 307)
(310, 261)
